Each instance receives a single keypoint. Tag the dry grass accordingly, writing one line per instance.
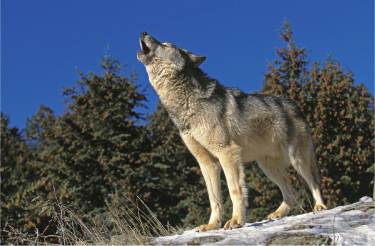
(120, 226)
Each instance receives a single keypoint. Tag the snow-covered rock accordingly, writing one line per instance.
(345, 225)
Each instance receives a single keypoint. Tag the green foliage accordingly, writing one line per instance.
(16, 176)
(95, 148)
(179, 191)
(34, 136)
(339, 113)
(11, 141)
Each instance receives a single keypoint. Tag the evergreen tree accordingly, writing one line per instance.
(95, 148)
(33, 133)
(16, 175)
(178, 188)
(339, 113)
(10, 152)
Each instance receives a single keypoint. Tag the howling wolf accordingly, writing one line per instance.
(225, 127)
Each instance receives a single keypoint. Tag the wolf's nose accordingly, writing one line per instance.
(144, 34)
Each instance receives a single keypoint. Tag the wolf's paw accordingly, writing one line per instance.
(233, 224)
(274, 215)
(320, 207)
(208, 227)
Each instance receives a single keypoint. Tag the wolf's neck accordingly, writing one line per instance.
(183, 94)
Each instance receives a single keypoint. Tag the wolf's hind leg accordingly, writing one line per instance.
(271, 166)
(305, 164)
(211, 169)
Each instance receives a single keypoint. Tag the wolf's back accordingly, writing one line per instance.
(262, 115)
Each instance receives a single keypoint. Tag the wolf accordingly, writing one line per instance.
(225, 127)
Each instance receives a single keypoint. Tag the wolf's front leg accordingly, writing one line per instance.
(211, 173)
(230, 159)
(211, 169)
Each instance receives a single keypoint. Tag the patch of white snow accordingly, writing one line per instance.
(344, 225)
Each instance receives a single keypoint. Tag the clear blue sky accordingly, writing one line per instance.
(44, 43)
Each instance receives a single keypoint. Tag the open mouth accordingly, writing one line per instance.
(144, 47)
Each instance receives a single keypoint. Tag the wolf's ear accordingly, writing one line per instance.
(196, 60)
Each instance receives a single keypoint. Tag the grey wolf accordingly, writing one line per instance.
(225, 127)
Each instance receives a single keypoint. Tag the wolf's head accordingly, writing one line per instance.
(161, 55)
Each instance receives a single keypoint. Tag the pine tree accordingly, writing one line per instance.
(10, 152)
(16, 175)
(339, 113)
(95, 148)
(178, 188)
(33, 131)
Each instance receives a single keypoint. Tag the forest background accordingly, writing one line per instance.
(102, 145)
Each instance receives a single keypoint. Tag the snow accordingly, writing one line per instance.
(344, 225)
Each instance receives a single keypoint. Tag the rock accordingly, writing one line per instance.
(299, 239)
(345, 225)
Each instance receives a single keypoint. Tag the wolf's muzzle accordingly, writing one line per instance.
(144, 47)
